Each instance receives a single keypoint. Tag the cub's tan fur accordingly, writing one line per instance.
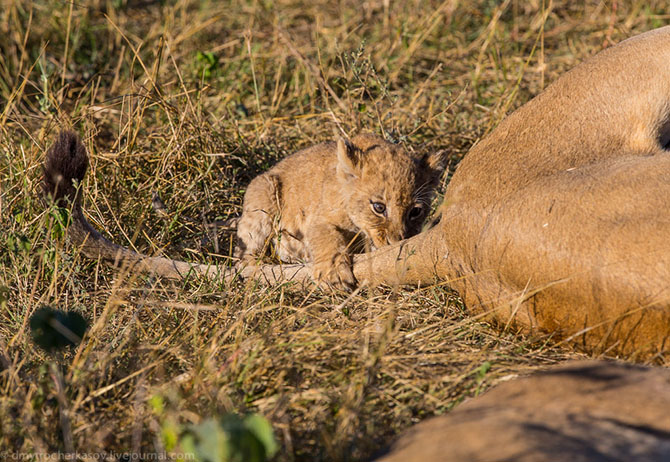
(319, 204)
(558, 221)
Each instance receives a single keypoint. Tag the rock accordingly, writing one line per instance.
(590, 411)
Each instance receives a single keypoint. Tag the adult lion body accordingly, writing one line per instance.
(561, 217)
(559, 220)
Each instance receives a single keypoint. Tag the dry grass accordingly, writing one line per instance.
(189, 100)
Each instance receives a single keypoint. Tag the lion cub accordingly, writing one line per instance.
(327, 202)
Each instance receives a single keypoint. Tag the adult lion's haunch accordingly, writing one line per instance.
(559, 220)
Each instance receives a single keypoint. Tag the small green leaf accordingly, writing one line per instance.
(170, 434)
(207, 442)
(262, 429)
(61, 220)
(157, 404)
(18, 243)
(482, 370)
(19, 218)
(207, 63)
(230, 439)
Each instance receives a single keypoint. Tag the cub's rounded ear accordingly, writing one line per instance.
(433, 164)
(347, 159)
(436, 161)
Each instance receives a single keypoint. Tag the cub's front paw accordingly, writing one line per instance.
(338, 274)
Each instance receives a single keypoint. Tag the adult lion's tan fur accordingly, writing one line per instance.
(559, 219)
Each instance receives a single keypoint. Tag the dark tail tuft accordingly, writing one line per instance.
(65, 167)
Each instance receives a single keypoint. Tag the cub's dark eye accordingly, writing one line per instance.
(378, 207)
(415, 213)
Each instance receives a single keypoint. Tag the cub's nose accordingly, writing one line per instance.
(394, 237)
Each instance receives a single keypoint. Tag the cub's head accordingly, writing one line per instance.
(388, 191)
